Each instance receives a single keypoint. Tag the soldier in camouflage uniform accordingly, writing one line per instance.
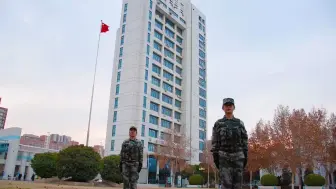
(131, 157)
(229, 147)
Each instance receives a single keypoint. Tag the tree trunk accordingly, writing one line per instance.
(251, 174)
(293, 178)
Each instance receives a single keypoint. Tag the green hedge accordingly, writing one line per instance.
(196, 179)
(269, 180)
(314, 180)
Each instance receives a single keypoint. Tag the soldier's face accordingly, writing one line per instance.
(228, 108)
(132, 133)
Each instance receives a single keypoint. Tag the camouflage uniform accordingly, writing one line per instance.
(131, 157)
(229, 148)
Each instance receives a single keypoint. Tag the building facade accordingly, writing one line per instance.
(159, 75)
(53, 141)
(3, 116)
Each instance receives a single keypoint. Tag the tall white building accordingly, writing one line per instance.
(159, 74)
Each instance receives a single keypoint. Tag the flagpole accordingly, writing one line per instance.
(93, 87)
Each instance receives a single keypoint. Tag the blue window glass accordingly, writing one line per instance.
(168, 75)
(144, 104)
(112, 145)
(149, 26)
(169, 33)
(156, 81)
(178, 92)
(202, 92)
(202, 113)
(151, 147)
(202, 124)
(143, 127)
(114, 130)
(201, 145)
(146, 75)
(170, 23)
(168, 64)
(157, 46)
(148, 37)
(200, 25)
(169, 43)
(201, 45)
(202, 72)
(165, 123)
(124, 18)
(179, 70)
(145, 88)
(178, 60)
(116, 102)
(156, 57)
(201, 54)
(150, 15)
(179, 50)
(143, 116)
(125, 7)
(167, 87)
(202, 102)
(167, 99)
(179, 40)
(158, 24)
(153, 120)
(201, 37)
(155, 93)
(119, 64)
(168, 53)
(201, 135)
(115, 116)
(153, 133)
(178, 81)
(166, 111)
(123, 29)
(154, 106)
(147, 62)
(148, 49)
(156, 69)
(121, 51)
(177, 115)
(117, 89)
(150, 4)
(178, 103)
(158, 35)
(122, 40)
(202, 82)
(118, 76)
(142, 142)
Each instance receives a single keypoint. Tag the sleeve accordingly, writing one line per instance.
(141, 149)
(244, 137)
(214, 139)
(122, 151)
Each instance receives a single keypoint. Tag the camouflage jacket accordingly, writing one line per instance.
(131, 151)
(229, 135)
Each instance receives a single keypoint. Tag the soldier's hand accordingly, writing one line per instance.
(140, 167)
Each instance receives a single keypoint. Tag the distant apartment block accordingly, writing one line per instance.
(3, 116)
(99, 149)
(43, 141)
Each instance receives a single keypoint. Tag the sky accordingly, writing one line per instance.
(261, 53)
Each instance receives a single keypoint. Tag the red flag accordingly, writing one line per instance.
(104, 28)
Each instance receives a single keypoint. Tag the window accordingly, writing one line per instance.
(123, 29)
(178, 81)
(159, 14)
(170, 23)
(168, 53)
(149, 26)
(147, 62)
(202, 45)
(168, 64)
(201, 135)
(112, 145)
(125, 7)
(148, 37)
(177, 115)
(178, 103)
(179, 40)
(143, 116)
(201, 145)
(165, 123)
(155, 93)
(179, 50)
(153, 133)
(119, 64)
(153, 120)
(115, 116)
(200, 25)
(179, 30)
(166, 111)
(143, 127)
(117, 89)
(154, 106)
(156, 69)
(146, 75)
(150, 4)
(169, 33)
(148, 49)
(113, 130)
(202, 102)
(122, 40)
(118, 76)
(157, 46)
(202, 124)
(167, 87)
(156, 81)
(179, 70)
(169, 43)
(168, 75)
(167, 99)
(121, 51)
(201, 53)
(178, 92)
(151, 147)
(201, 37)
(116, 101)
(144, 104)
(202, 82)
(145, 88)
(142, 142)
(156, 57)
(158, 24)
(124, 18)
(150, 15)
(158, 35)
(178, 60)
(202, 92)
(202, 113)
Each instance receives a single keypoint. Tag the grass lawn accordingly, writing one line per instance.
(32, 185)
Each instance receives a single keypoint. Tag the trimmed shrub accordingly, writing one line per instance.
(44, 165)
(269, 180)
(314, 180)
(110, 169)
(196, 179)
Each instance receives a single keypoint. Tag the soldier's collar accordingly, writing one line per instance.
(233, 117)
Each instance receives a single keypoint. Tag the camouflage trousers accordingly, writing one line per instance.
(130, 175)
(231, 168)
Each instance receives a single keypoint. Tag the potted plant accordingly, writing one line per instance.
(314, 181)
(269, 181)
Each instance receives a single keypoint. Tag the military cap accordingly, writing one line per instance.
(133, 128)
(228, 101)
